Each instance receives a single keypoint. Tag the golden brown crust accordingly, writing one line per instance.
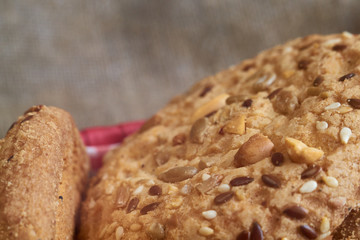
(223, 179)
(43, 171)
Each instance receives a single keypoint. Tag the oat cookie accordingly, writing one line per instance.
(43, 171)
(267, 149)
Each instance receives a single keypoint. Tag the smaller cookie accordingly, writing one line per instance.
(43, 172)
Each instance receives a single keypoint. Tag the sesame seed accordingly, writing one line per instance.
(138, 190)
(333, 106)
(210, 214)
(308, 187)
(347, 34)
(206, 231)
(330, 181)
(185, 189)
(339, 47)
(132, 205)
(135, 227)
(332, 41)
(288, 49)
(324, 235)
(205, 176)
(92, 203)
(223, 188)
(109, 189)
(61, 198)
(274, 93)
(119, 233)
(271, 80)
(262, 79)
(256, 232)
(345, 135)
(325, 225)
(241, 181)
(321, 125)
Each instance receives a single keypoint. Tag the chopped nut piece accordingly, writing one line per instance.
(156, 231)
(172, 189)
(333, 106)
(285, 102)
(209, 107)
(308, 187)
(206, 231)
(254, 150)
(299, 152)
(224, 188)
(321, 125)
(176, 202)
(330, 181)
(325, 225)
(345, 135)
(288, 73)
(210, 214)
(178, 174)
(119, 233)
(236, 125)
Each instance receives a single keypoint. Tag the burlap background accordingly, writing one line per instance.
(108, 61)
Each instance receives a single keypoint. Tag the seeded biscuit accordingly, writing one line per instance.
(42, 175)
(267, 149)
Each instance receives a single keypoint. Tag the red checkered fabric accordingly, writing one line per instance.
(99, 140)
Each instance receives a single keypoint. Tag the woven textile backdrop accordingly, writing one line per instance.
(111, 61)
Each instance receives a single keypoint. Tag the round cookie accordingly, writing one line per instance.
(43, 172)
(267, 149)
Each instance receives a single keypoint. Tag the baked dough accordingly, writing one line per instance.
(43, 172)
(268, 149)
